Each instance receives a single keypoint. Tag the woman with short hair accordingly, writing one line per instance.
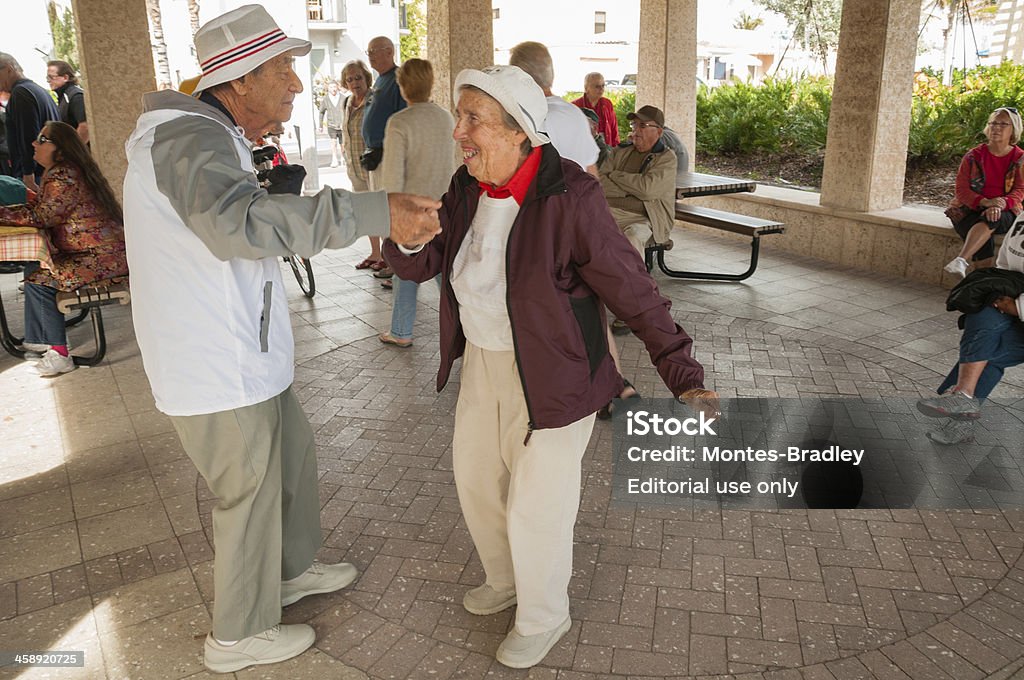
(419, 158)
(989, 189)
(529, 254)
(357, 79)
(82, 217)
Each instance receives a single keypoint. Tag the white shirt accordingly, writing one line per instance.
(478, 275)
(569, 131)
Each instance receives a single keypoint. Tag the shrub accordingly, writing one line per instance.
(792, 115)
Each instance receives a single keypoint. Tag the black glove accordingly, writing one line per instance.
(371, 158)
(283, 179)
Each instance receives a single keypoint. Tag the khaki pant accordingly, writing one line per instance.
(637, 228)
(520, 502)
(260, 463)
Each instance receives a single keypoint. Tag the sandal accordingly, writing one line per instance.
(389, 339)
(606, 411)
(378, 265)
(387, 283)
(384, 272)
(367, 264)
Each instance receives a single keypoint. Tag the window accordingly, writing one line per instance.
(496, 12)
(314, 10)
(374, 2)
(600, 21)
(403, 16)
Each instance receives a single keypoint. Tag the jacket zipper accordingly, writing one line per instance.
(512, 326)
(448, 290)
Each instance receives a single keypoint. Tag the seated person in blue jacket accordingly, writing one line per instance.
(992, 341)
(529, 254)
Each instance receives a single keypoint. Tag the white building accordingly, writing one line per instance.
(582, 36)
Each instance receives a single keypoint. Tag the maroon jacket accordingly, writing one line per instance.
(565, 257)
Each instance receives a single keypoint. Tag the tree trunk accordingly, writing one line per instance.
(193, 16)
(952, 10)
(156, 31)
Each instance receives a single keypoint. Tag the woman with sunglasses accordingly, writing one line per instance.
(78, 209)
(989, 189)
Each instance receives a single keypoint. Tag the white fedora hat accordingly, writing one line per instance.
(235, 43)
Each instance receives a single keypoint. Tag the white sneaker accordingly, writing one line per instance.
(526, 651)
(53, 364)
(957, 265)
(334, 164)
(319, 578)
(273, 645)
(484, 600)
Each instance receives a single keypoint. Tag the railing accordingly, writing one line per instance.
(334, 11)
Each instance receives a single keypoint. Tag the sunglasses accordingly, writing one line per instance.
(42, 139)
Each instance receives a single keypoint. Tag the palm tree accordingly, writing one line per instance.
(745, 22)
(156, 32)
(964, 11)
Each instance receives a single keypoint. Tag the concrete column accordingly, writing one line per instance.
(866, 151)
(460, 34)
(667, 73)
(117, 68)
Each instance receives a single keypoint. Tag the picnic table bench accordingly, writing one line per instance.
(699, 184)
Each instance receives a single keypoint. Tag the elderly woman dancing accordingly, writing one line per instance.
(989, 189)
(528, 253)
(78, 209)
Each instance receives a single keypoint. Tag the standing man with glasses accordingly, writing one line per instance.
(593, 98)
(70, 97)
(639, 181)
(385, 101)
(29, 108)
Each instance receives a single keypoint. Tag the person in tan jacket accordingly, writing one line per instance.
(639, 181)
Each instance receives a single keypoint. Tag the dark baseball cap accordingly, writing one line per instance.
(648, 113)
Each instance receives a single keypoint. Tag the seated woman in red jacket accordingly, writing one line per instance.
(78, 209)
(990, 187)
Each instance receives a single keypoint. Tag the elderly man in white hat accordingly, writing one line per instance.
(211, 318)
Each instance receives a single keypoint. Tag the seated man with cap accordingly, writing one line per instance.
(639, 181)
(211, 319)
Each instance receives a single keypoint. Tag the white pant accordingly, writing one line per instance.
(636, 228)
(520, 502)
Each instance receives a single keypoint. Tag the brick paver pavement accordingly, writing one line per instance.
(105, 529)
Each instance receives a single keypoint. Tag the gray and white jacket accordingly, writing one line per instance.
(202, 238)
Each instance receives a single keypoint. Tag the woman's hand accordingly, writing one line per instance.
(705, 401)
(992, 214)
(997, 202)
(1006, 305)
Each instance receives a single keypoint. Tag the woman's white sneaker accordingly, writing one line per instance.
(485, 600)
(280, 643)
(53, 364)
(526, 651)
(957, 265)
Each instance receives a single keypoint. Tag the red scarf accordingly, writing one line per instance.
(520, 181)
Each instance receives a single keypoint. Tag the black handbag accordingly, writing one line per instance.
(371, 158)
